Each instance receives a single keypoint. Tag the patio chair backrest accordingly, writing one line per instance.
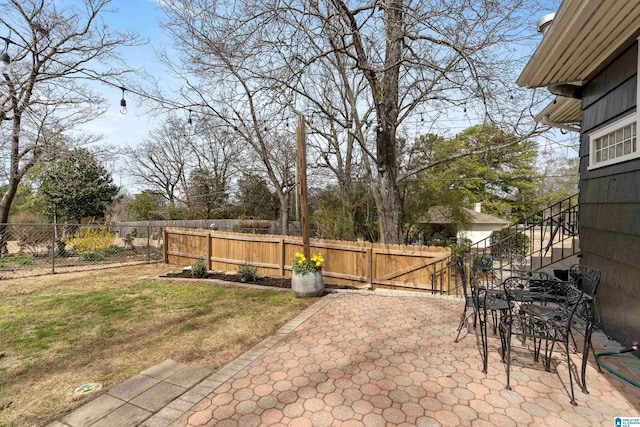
(572, 299)
(587, 278)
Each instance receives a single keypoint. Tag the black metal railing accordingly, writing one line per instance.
(538, 241)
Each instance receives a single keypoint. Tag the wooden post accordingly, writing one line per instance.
(281, 256)
(370, 266)
(302, 174)
(209, 249)
(165, 245)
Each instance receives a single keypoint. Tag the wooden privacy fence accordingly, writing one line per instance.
(357, 264)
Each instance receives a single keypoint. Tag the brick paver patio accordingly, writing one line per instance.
(370, 360)
(367, 359)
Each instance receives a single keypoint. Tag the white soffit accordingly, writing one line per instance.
(582, 36)
(562, 110)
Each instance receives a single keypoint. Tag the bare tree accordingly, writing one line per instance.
(399, 56)
(218, 158)
(161, 162)
(224, 87)
(53, 47)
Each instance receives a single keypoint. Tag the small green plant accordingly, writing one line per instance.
(22, 261)
(91, 256)
(303, 266)
(25, 261)
(460, 249)
(114, 250)
(248, 273)
(199, 269)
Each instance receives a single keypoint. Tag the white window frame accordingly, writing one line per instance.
(611, 128)
(619, 124)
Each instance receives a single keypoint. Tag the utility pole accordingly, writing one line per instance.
(302, 175)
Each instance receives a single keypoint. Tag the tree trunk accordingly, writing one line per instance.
(5, 206)
(15, 175)
(387, 204)
(284, 209)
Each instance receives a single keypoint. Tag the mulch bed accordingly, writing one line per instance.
(276, 282)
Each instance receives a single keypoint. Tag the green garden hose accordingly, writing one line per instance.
(618, 374)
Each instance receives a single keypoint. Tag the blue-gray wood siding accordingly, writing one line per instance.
(610, 201)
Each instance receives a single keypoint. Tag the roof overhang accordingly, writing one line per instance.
(583, 35)
(565, 113)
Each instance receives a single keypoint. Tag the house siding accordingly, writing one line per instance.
(610, 201)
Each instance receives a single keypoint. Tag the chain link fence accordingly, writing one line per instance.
(34, 249)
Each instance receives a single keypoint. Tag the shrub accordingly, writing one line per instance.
(248, 273)
(199, 269)
(505, 243)
(114, 250)
(460, 249)
(92, 239)
(25, 261)
(91, 256)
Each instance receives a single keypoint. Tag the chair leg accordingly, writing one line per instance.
(548, 352)
(462, 321)
(537, 344)
(508, 356)
(573, 397)
(483, 337)
(585, 356)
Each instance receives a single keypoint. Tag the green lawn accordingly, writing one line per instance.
(58, 332)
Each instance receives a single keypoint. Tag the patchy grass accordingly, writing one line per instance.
(61, 331)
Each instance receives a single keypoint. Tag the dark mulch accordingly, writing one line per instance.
(276, 282)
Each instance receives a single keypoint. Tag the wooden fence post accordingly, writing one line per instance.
(165, 245)
(370, 266)
(208, 237)
(282, 260)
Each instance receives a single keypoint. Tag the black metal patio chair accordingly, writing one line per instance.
(588, 279)
(482, 296)
(543, 314)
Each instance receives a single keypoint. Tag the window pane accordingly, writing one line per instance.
(598, 156)
(619, 136)
(633, 129)
(618, 150)
(627, 132)
(612, 152)
(604, 155)
(627, 147)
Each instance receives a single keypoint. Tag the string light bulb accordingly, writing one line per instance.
(189, 121)
(5, 58)
(123, 102)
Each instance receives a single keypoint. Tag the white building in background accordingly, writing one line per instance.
(480, 225)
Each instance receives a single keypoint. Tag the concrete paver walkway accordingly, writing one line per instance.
(362, 359)
(166, 389)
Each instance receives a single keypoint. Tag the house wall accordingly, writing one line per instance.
(479, 232)
(610, 201)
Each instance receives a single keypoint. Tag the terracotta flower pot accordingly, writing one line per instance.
(307, 285)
